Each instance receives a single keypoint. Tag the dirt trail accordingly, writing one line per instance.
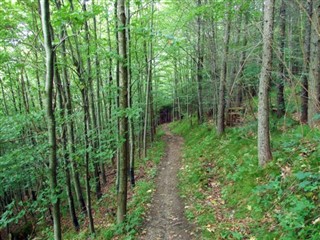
(166, 219)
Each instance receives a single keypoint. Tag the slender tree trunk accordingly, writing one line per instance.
(130, 119)
(150, 74)
(304, 90)
(38, 84)
(264, 149)
(117, 97)
(45, 19)
(213, 65)
(36, 28)
(12, 91)
(70, 123)
(234, 68)
(4, 99)
(239, 87)
(147, 102)
(280, 84)
(94, 125)
(24, 94)
(64, 137)
(28, 89)
(199, 67)
(223, 78)
(148, 118)
(314, 72)
(86, 121)
(123, 126)
(98, 92)
(62, 100)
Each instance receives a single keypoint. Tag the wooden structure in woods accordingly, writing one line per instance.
(235, 116)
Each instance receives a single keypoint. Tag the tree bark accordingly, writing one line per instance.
(123, 126)
(264, 149)
(4, 99)
(199, 67)
(131, 122)
(70, 125)
(281, 81)
(314, 71)
(66, 158)
(55, 199)
(149, 113)
(223, 78)
(98, 97)
(304, 90)
(94, 125)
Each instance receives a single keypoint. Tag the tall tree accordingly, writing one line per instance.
(130, 85)
(51, 123)
(199, 65)
(148, 118)
(93, 127)
(304, 90)
(281, 81)
(223, 75)
(123, 104)
(264, 148)
(314, 71)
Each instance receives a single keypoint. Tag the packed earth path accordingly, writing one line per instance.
(166, 220)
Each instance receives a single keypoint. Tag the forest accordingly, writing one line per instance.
(159, 119)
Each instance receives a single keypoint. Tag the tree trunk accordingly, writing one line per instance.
(70, 123)
(123, 126)
(66, 158)
(98, 97)
(12, 91)
(304, 90)
(147, 102)
(151, 66)
(131, 125)
(86, 121)
(199, 67)
(4, 99)
(264, 149)
(148, 117)
(223, 78)
(314, 72)
(94, 126)
(55, 199)
(281, 81)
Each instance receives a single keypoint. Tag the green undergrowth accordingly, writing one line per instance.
(137, 204)
(280, 201)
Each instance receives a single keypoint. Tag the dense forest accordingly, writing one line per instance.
(86, 85)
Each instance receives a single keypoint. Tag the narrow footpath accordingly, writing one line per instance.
(166, 220)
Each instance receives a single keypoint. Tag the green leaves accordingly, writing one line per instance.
(303, 175)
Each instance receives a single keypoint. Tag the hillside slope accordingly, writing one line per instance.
(230, 197)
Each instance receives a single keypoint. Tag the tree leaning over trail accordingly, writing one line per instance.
(123, 104)
(264, 149)
(45, 19)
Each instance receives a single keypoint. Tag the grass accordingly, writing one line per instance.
(229, 196)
